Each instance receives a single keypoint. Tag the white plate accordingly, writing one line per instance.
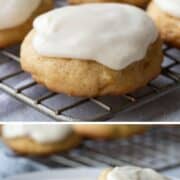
(64, 174)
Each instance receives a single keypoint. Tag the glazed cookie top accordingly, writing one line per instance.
(16, 12)
(114, 35)
(172, 7)
(135, 173)
(41, 133)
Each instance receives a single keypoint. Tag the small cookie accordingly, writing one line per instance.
(36, 143)
(15, 35)
(168, 24)
(130, 172)
(139, 3)
(108, 131)
(114, 72)
(26, 146)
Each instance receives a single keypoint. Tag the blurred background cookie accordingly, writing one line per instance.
(166, 15)
(16, 18)
(108, 131)
(39, 139)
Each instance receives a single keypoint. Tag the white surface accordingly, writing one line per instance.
(173, 172)
(70, 174)
(115, 35)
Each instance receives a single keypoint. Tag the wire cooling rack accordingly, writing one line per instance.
(157, 149)
(64, 108)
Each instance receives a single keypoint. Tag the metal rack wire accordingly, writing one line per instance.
(156, 149)
(64, 108)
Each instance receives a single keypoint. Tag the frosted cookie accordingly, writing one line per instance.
(100, 131)
(131, 172)
(140, 3)
(111, 50)
(39, 139)
(166, 14)
(16, 17)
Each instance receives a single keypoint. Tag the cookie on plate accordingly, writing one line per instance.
(130, 172)
(39, 139)
(16, 18)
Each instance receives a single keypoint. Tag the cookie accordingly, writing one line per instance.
(116, 73)
(15, 35)
(40, 139)
(115, 131)
(169, 25)
(130, 172)
(26, 146)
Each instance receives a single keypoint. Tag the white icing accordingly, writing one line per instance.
(114, 35)
(41, 133)
(172, 7)
(134, 173)
(16, 12)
